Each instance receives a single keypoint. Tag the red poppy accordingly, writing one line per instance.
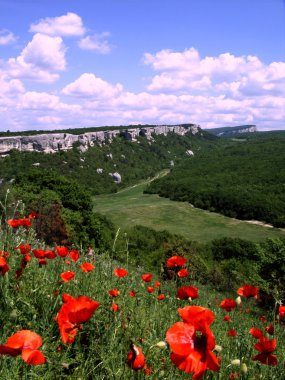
(227, 318)
(50, 254)
(228, 304)
(146, 277)
(157, 284)
(232, 333)
(33, 215)
(87, 267)
(24, 248)
(270, 329)
(161, 297)
(150, 289)
(132, 293)
(62, 251)
(74, 255)
(192, 342)
(4, 268)
(135, 358)
(183, 273)
(67, 276)
(176, 261)
(72, 314)
(39, 253)
(4, 254)
(248, 290)
(281, 311)
(42, 262)
(256, 333)
(115, 307)
(25, 343)
(186, 292)
(120, 272)
(114, 292)
(14, 223)
(266, 347)
(233, 376)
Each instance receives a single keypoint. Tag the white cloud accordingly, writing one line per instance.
(67, 25)
(39, 61)
(6, 37)
(88, 85)
(33, 100)
(97, 42)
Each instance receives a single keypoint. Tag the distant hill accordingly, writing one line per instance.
(232, 131)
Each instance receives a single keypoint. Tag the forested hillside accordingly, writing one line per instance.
(244, 179)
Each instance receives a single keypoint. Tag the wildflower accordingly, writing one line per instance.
(281, 311)
(72, 314)
(50, 254)
(39, 253)
(270, 329)
(256, 333)
(157, 284)
(232, 333)
(233, 375)
(135, 358)
(183, 273)
(185, 292)
(42, 262)
(67, 276)
(247, 291)
(161, 297)
(74, 255)
(266, 347)
(192, 341)
(146, 277)
(62, 251)
(114, 292)
(115, 307)
(87, 267)
(33, 215)
(176, 261)
(120, 272)
(228, 304)
(26, 344)
(132, 293)
(24, 248)
(227, 318)
(150, 289)
(4, 268)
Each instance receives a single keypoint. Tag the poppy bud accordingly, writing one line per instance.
(161, 344)
(235, 362)
(243, 368)
(238, 300)
(218, 348)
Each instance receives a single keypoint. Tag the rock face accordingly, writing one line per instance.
(54, 142)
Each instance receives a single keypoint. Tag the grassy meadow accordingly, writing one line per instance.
(131, 207)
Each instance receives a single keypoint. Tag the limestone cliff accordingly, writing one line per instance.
(54, 142)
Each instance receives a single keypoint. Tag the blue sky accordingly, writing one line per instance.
(77, 63)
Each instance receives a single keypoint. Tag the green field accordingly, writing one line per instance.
(131, 207)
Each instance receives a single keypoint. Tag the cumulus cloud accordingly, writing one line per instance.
(6, 37)
(88, 85)
(97, 42)
(67, 25)
(39, 61)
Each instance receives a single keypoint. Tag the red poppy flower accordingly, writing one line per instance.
(24, 248)
(270, 329)
(87, 267)
(161, 297)
(146, 277)
(25, 222)
(232, 333)
(186, 292)
(50, 254)
(72, 314)
(150, 289)
(266, 347)
(281, 311)
(67, 276)
(135, 358)
(14, 223)
(120, 272)
(42, 262)
(227, 318)
(183, 273)
(39, 253)
(74, 255)
(4, 254)
(176, 261)
(157, 284)
(256, 333)
(62, 251)
(115, 307)
(132, 293)
(248, 291)
(114, 292)
(228, 304)
(25, 343)
(4, 268)
(33, 215)
(192, 342)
